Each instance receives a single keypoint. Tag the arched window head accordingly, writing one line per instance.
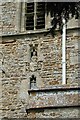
(32, 82)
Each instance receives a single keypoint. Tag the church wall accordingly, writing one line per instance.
(20, 98)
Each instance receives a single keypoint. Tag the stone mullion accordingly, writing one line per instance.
(35, 16)
(45, 17)
(18, 17)
(23, 28)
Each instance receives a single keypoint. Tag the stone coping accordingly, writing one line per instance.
(53, 107)
(55, 88)
(31, 32)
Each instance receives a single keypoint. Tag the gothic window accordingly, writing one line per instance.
(32, 82)
(35, 15)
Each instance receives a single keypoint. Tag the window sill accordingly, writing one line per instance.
(30, 32)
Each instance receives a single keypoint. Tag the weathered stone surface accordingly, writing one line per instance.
(17, 68)
(16, 79)
(58, 113)
(53, 99)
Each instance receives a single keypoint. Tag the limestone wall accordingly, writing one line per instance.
(8, 14)
(18, 67)
(19, 97)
